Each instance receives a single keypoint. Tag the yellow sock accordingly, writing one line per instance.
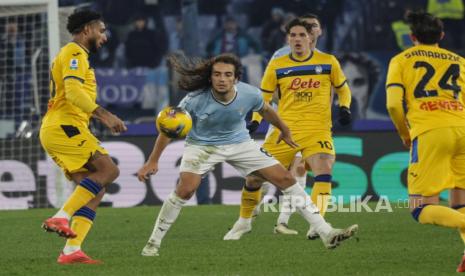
(84, 192)
(321, 193)
(442, 215)
(80, 226)
(461, 209)
(249, 200)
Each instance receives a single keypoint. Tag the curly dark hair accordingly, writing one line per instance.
(80, 18)
(424, 26)
(196, 72)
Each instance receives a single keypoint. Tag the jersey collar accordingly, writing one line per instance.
(304, 60)
(83, 48)
(224, 103)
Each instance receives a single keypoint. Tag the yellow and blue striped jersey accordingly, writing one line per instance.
(304, 89)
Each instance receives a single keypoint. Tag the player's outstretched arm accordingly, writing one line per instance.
(109, 120)
(268, 113)
(151, 166)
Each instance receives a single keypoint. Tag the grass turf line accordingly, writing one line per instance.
(390, 244)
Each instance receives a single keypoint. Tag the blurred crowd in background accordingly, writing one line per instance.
(135, 81)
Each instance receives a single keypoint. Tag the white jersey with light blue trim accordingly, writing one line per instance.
(286, 50)
(217, 123)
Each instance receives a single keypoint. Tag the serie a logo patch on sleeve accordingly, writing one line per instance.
(73, 64)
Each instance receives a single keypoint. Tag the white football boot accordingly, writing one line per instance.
(238, 229)
(336, 236)
(282, 228)
(150, 250)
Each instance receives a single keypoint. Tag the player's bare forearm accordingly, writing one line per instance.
(151, 166)
(115, 124)
(100, 113)
(272, 117)
(268, 113)
(158, 148)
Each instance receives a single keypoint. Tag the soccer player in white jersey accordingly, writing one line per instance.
(218, 109)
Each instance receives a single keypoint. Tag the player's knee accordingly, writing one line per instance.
(114, 173)
(416, 212)
(252, 187)
(253, 182)
(288, 179)
(185, 193)
(108, 175)
(111, 174)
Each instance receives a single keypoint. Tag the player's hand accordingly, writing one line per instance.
(115, 124)
(147, 170)
(252, 126)
(345, 117)
(287, 138)
(110, 120)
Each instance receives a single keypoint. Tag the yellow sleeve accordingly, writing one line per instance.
(269, 80)
(268, 86)
(75, 95)
(339, 82)
(74, 65)
(267, 97)
(395, 91)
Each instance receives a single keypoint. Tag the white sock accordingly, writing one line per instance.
(304, 205)
(167, 216)
(286, 210)
(71, 249)
(62, 214)
(302, 180)
(244, 220)
(265, 188)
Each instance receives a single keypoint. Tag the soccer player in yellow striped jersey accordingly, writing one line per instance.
(304, 79)
(65, 135)
(429, 81)
(297, 166)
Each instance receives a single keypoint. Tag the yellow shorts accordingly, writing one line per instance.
(310, 143)
(437, 161)
(70, 147)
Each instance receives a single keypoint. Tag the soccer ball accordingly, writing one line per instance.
(174, 122)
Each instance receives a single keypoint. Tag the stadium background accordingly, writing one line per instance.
(135, 82)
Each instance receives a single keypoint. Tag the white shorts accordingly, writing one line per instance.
(245, 157)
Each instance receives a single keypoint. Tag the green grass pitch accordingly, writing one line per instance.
(389, 244)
